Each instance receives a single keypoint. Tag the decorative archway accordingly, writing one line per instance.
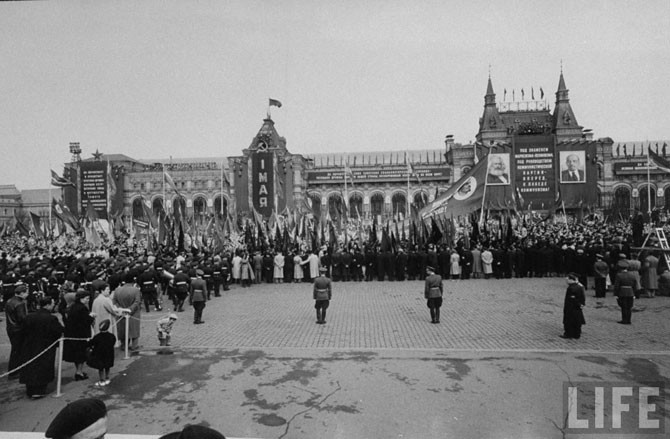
(377, 204)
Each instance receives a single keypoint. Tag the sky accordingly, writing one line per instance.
(161, 79)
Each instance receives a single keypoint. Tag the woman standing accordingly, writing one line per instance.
(40, 330)
(246, 273)
(78, 325)
(279, 267)
(104, 309)
(297, 268)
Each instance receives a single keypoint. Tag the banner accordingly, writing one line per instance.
(94, 187)
(534, 165)
(262, 183)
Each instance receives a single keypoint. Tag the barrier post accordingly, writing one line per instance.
(60, 368)
(126, 337)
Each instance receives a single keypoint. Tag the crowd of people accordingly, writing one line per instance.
(81, 293)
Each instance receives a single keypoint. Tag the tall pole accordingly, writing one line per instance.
(221, 188)
(164, 200)
(408, 195)
(648, 187)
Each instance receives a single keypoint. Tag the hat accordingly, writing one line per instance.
(199, 272)
(81, 293)
(21, 288)
(622, 264)
(76, 417)
(104, 325)
(429, 268)
(99, 285)
(622, 256)
(599, 256)
(573, 276)
(580, 250)
(172, 316)
(194, 432)
(323, 269)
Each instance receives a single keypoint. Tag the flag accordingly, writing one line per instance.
(658, 161)
(65, 215)
(37, 225)
(59, 181)
(541, 93)
(532, 93)
(171, 182)
(505, 95)
(20, 226)
(411, 171)
(348, 173)
(274, 103)
(463, 197)
(279, 183)
(148, 213)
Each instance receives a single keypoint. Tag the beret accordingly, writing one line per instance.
(99, 285)
(194, 432)
(428, 267)
(75, 417)
(199, 272)
(81, 293)
(21, 288)
(104, 325)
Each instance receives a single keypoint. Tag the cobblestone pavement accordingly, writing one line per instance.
(506, 314)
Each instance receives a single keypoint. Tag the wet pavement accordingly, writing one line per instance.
(261, 368)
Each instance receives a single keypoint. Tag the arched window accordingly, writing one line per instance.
(199, 208)
(666, 197)
(157, 207)
(355, 206)
(217, 206)
(138, 211)
(644, 199)
(377, 205)
(399, 204)
(420, 200)
(316, 204)
(335, 207)
(621, 203)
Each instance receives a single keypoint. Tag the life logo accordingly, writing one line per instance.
(614, 408)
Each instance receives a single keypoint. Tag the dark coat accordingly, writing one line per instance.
(572, 306)
(102, 351)
(41, 329)
(77, 325)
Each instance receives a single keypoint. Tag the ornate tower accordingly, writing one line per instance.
(491, 126)
(564, 121)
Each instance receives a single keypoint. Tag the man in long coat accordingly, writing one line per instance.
(649, 274)
(40, 329)
(128, 296)
(573, 317)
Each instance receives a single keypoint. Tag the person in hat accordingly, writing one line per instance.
(625, 287)
(573, 317)
(322, 293)
(164, 328)
(194, 432)
(649, 273)
(198, 296)
(600, 272)
(78, 321)
(102, 352)
(433, 290)
(16, 311)
(128, 296)
(41, 329)
(81, 419)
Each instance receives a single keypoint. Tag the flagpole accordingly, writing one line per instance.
(408, 193)
(648, 187)
(221, 188)
(50, 201)
(486, 177)
(164, 200)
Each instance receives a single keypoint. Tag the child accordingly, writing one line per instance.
(164, 327)
(102, 352)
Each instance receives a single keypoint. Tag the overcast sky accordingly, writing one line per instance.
(155, 79)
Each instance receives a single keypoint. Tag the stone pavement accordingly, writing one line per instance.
(260, 366)
(506, 314)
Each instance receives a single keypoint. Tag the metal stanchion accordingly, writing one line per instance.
(126, 336)
(60, 368)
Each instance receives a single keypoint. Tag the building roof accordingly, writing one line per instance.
(111, 158)
(184, 160)
(9, 191)
(39, 196)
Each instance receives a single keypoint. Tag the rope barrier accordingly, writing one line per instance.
(21, 366)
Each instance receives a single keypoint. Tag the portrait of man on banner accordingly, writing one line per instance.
(498, 170)
(572, 166)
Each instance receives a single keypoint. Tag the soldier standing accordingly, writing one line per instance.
(322, 294)
(433, 291)
(198, 296)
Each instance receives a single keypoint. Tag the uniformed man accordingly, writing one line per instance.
(433, 291)
(625, 287)
(198, 296)
(322, 294)
(600, 271)
(573, 317)
(147, 281)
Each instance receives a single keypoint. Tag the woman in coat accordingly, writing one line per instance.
(455, 265)
(297, 268)
(40, 330)
(279, 267)
(246, 272)
(573, 317)
(649, 274)
(78, 325)
(104, 309)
